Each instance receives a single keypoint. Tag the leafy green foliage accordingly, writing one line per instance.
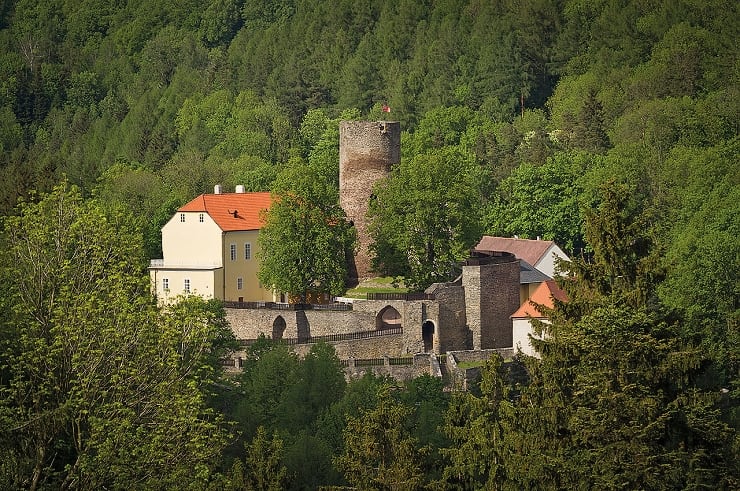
(542, 201)
(534, 105)
(379, 452)
(306, 239)
(425, 217)
(262, 469)
(98, 388)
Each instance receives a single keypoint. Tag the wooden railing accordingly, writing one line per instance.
(378, 362)
(288, 306)
(400, 296)
(350, 336)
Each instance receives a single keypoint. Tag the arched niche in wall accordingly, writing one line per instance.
(388, 318)
(278, 327)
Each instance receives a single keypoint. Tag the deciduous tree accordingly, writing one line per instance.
(94, 388)
(426, 217)
(306, 239)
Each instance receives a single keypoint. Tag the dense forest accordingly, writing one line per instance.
(609, 126)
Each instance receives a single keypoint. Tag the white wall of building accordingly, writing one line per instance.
(547, 263)
(192, 242)
(522, 329)
(207, 283)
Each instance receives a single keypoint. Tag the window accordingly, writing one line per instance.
(182, 217)
(232, 251)
(165, 284)
(239, 283)
(187, 285)
(247, 251)
(201, 218)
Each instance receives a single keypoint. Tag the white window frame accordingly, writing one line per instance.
(186, 285)
(182, 217)
(201, 218)
(232, 252)
(165, 284)
(247, 251)
(240, 283)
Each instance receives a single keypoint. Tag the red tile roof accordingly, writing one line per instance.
(529, 250)
(542, 295)
(232, 211)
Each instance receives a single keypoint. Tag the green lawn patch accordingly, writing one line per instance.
(375, 285)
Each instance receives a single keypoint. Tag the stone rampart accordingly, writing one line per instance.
(378, 347)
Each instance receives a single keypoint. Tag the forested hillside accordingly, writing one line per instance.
(609, 126)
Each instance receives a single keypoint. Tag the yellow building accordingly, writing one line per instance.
(210, 248)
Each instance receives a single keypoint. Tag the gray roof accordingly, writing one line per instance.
(530, 274)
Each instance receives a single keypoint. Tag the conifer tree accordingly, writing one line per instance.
(615, 394)
(615, 400)
(589, 133)
(379, 451)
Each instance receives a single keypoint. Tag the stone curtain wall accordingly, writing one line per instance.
(250, 323)
(378, 347)
(449, 321)
(422, 364)
(367, 151)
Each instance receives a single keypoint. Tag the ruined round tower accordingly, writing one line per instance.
(367, 151)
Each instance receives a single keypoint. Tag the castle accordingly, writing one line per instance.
(213, 238)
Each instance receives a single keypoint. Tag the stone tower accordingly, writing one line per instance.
(491, 283)
(367, 151)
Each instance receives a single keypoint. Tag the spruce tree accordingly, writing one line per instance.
(615, 400)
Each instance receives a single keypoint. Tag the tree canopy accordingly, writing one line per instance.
(98, 389)
(514, 116)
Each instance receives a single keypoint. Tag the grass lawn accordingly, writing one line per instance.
(375, 285)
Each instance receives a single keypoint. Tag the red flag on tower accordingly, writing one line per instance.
(386, 108)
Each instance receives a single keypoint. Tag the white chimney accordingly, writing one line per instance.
(217, 189)
(240, 188)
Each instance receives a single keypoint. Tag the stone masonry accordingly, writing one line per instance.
(471, 313)
(367, 151)
(491, 284)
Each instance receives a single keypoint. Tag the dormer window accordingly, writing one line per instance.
(182, 217)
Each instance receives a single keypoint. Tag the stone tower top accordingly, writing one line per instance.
(367, 151)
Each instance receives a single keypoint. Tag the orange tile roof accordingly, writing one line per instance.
(221, 208)
(543, 295)
(527, 249)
